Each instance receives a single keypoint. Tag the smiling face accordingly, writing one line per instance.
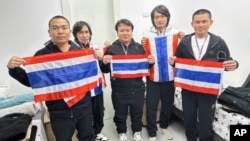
(201, 24)
(59, 31)
(124, 33)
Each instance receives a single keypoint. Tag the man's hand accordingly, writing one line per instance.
(106, 59)
(230, 65)
(15, 62)
(171, 60)
(98, 54)
(181, 34)
(151, 59)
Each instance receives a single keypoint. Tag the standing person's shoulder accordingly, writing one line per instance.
(188, 36)
(216, 39)
(150, 33)
(186, 39)
(214, 36)
(171, 30)
(139, 47)
(112, 47)
(47, 49)
(73, 45)
(115, 43)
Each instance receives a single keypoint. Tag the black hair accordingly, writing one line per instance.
(163, 10)
(58, 17)
(202, 11)
(124, 21)
(78, 27)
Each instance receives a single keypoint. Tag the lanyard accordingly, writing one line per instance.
(161, 33)
(202, 46)
(125, 49)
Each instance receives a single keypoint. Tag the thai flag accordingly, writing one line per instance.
(70, 101)
(94, 92)
(62, 75)
(162, 47)
(129, 66)
(199, 76)
(102, 84)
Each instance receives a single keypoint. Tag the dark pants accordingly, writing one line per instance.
(64, 127)
(98, 112)
(156, 91)
(202, 105)
(131, 102)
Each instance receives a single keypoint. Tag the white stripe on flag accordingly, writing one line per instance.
(58, 63)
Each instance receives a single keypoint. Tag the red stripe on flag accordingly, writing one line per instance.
(105, 49)
(197, 89)
(130, 75)
(202, 63)
(76, 99)
(147, 47)
(175, 42)
(58, 56)
(64, 94)
(152, 72)
(104, 80)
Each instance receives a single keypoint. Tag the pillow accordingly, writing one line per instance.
(16, 100)
(4, 90)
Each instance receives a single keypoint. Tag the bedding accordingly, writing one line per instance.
(30, 108)
(16, 100)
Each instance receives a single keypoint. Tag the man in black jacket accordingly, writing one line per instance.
(201, 45)
(64, 120)
(126, 92)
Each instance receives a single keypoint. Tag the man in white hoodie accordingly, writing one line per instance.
(159, 89)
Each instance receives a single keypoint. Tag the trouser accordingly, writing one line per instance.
(64, 127)
(133, 103)
(202, 105)
(156, 91)
(98, 112)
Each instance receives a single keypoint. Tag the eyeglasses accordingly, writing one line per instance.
(221, 56)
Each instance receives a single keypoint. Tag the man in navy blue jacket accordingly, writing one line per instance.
(201, 45)
(64, 120)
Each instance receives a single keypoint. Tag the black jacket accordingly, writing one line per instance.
(216, 45)
(58, 107)
(124, 86)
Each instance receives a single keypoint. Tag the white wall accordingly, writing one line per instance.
(23, 30)
(230, 17)
(99, 14)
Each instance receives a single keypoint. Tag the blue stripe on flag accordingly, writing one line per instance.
(98, 89)
(199, 76)
(161, 49)
(129, 66)
(39, 79)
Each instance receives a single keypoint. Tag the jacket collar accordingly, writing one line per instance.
(211, 44)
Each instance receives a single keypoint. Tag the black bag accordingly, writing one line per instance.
(13, 127)
(237, 98)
